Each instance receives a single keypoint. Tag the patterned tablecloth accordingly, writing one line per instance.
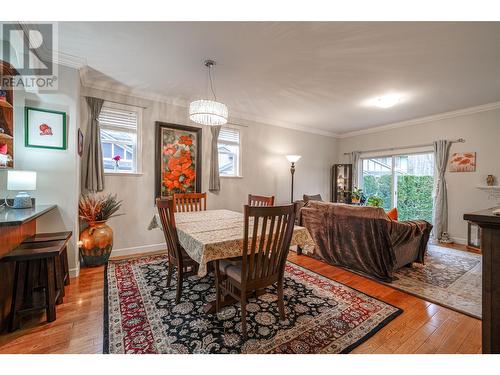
(218, 234)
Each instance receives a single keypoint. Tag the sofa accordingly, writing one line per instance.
(363, 239)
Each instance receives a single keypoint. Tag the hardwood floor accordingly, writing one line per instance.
(424, 327)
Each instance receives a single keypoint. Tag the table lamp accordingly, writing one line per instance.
(292, 159)
(21, 181)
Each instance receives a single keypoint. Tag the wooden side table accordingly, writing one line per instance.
(490, 246)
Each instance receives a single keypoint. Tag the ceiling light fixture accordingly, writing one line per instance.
(386, 101)
(208, 111)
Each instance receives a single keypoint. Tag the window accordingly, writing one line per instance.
(229, 152)
(120, 138)
(402, 181)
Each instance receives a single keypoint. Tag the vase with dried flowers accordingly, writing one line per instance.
(490, 180)
(96, 241)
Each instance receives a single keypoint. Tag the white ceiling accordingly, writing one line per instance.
(314, 75)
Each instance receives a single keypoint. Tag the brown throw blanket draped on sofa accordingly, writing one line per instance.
(364, 239)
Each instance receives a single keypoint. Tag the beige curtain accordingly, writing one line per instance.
(94, 174)
(440, 209)
(355, 166)
(214, 184)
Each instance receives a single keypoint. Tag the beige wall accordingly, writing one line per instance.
(482, 134)
(57, 170)
(265, 170)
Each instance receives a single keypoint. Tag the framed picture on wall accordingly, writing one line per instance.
(177, 159)
(45, 128)
(463, 162)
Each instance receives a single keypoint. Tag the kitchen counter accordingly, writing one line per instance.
(19, 216)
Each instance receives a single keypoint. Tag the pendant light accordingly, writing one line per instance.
(208, 111)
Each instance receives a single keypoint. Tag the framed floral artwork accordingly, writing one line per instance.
(463, 162)
(45, 128)
(178, 159)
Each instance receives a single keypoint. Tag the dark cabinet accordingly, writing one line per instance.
(341, 183)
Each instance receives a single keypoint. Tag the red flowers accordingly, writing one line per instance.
(186, 140)
(170, 149)
(117, 158)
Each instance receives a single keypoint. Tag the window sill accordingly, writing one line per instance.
(231, 176)
(123, 174)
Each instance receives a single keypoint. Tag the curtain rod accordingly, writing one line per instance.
(115, 102)
(459, 140)
(235, 124)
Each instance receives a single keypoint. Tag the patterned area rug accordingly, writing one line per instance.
(322, 316)
(451, 278)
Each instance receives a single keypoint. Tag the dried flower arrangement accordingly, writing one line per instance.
(94, 208)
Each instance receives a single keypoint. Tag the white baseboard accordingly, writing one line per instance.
(459, 240)
(137, 250)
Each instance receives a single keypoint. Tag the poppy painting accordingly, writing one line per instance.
(463, 162)
(178, 159)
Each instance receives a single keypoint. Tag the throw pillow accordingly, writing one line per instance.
(393, 213)
(308, 198)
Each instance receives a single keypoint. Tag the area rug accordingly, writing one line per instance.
(322, 316)
(449, 277)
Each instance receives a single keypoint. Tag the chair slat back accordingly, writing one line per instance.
(267, 236)
(260, 200)
(190, 202)
(166, 210)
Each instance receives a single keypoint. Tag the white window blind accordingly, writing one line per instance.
(229, 135)
(118, 118)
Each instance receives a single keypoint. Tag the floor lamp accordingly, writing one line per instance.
(292, 159)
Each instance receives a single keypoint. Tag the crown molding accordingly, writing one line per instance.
(423, 120)
(70, 61)
(59, 57)
(120, 89)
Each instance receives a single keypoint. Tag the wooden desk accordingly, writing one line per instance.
(15, 226)
(490, 246)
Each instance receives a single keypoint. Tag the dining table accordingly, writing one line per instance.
(210, 235)
(218, 234)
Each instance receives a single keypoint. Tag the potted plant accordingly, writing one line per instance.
(356, 195)
(374, 201)
(96, 241)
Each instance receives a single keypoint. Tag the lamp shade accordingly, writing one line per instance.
(293, 158)
(208, 112)
(21, 180)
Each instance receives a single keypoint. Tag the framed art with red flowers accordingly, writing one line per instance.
(178, 159)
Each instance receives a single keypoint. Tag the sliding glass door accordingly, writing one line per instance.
(377, 179)
(402, 181)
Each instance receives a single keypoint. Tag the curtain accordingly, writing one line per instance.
(355, 163)
(94, 174)
(440, 212)
(214, 184)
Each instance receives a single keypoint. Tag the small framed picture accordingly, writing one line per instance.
(45, 128)
(80, 142)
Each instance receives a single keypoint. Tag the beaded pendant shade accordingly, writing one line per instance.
(207, 111)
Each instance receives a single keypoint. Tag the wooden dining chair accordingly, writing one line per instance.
(266, 242)
(177, 256)
(190, 202)
(260, 200)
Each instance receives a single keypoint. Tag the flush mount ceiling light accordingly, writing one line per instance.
(208, 111)
(386, 101)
